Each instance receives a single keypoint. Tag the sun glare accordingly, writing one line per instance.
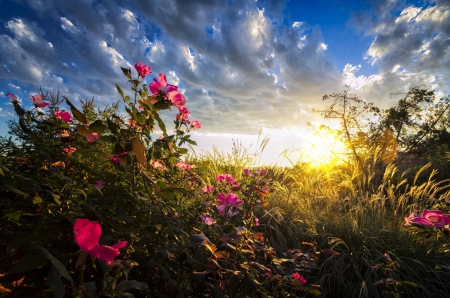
(322, 149)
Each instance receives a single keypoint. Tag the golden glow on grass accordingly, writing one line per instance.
(323, 149)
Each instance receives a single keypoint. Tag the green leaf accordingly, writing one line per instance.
(77, 114)
(126, 72)
(120, 91)
(182, 150)
(167, 194)
(112, 127)
(14, 190)
(128, 285)
(37, 200)
(28, 262)
(178, 190)
(56, 198)
(191, 142)
(97, 126)
(161, 124)
(313, 291)
(90, 286)
(14, 215)
(83, 130)
(59, 267)
(410, 283)
(139, 150)
(55, 283)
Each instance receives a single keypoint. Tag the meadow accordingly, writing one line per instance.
(95, 205)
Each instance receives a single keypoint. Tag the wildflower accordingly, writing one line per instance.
(256, 222)
(230, 212)
(225, 177)
(208, 188)
(87, 235)
(160, 86)
(432, 218)
(207, 219)
(69, 150)
(99, 184)
(196, 124)
(176, 98)
(300, 278)
(38, 102)
(92, 137)
(11, 96)
(158, 164)
(184, 114)
(142, 69)
(182, 165)
(64, 116)
(249, 173)
(410, 217)
(230, 199)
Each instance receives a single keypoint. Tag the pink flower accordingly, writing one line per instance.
(158, 164)
(410, 217)
(196, 124)
(256, 222)
(300, 278)
(176, 98)
(64, 116)
(92, 137)
(230, 199)
(113, 158)
(69, 150)
(184, 114)
(87, 235)
(230, 212)
(432, 218)
(208, 188)
(182, 165)
(99, 184)
(142, 69)
(225, 177)
(247, 172)
(39, 102)
(11, 96)
(160, 86)
(207, 219)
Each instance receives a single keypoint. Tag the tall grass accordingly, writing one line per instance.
(357, 209)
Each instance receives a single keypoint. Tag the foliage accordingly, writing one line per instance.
(76, 181)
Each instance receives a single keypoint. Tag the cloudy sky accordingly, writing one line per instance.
(243, 65)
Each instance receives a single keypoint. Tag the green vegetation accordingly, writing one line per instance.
(97, 206)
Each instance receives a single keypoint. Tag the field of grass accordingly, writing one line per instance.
(357, 210)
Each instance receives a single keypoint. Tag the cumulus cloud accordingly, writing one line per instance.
(240, 67)
(410, 48)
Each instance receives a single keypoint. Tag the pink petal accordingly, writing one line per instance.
(87, 233)
(104, 253)
(11, 96)
(121, 244)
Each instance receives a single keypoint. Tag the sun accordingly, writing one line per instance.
(322, 148)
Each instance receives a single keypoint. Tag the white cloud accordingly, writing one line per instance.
(68, 25)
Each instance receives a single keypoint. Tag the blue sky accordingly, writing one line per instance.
(243, 65)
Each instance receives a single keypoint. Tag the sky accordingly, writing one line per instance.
(246, 67)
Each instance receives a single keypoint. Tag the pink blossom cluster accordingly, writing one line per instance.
(142, 69)
(87, 235)
(225, 178)
(300, 278)
(63, 116)
(182, 165)
(38, 102)
(226, 203)
(207, 219)
(250, 173)
(159, 165)
(69, 150)
(430, 218)
(116, 158)
(208, 189)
